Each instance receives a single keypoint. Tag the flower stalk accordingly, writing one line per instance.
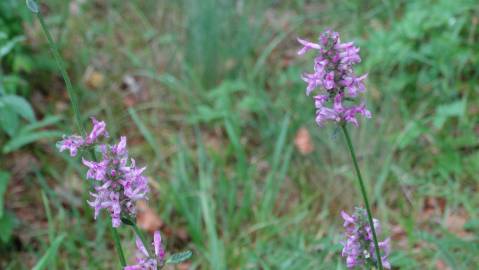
(139, 234)
(364, 194)
(66, 78)
(122, 183)
(338, 101)
(76, 110)
(119, 249)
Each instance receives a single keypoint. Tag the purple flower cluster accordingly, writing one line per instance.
(74, 142)
(144, 262)
(333, 71)
(359, 246)
(121, 183)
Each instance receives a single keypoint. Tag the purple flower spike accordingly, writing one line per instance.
(123, 184)
(359, 245)
(72, 143)
(333, 72)
(144, 262)
(120, 184)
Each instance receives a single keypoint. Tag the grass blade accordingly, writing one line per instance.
(50, 253)
(4, 179)
(146, 133)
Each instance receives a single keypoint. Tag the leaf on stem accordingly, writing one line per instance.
(179, 257)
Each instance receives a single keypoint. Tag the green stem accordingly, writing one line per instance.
(76, 112)
(119, 250)
(66, 78)
(138, 232)
(365, 196)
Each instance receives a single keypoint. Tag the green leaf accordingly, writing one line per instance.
(20, 105)
(32, 6)
(47, 121)
(446, 111)
(8, 47)
(179, 257)
(8, 120)
(24, 139)
(412, 131)
(4, 179)
(7, 223)
(50, 253)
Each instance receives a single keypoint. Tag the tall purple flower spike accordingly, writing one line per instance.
(120, 182)
(358, 248)
(333, 72)
(143, 261)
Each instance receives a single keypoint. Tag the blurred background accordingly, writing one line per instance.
(210, 96)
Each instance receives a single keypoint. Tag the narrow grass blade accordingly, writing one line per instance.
(4, 179)
(50, 253)
(149, 137)
(272, 185)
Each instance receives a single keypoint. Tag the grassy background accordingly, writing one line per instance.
(210, 96)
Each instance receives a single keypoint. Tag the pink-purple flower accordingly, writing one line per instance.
(358, 248)
(99, 129)
(119, 182)
(74, 142)
(333, 72)
(71, 143)
(143, 260)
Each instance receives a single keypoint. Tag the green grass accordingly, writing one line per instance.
(220, 103)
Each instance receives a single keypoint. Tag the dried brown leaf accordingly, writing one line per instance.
(147, 219)
(303, 141)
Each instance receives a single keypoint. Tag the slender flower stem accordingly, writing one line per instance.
(365, 196)
(66, 78)
(119, 250)
(138, 232)
(76, 112)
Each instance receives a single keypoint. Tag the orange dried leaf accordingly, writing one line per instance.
(147, 219)
(303, 141)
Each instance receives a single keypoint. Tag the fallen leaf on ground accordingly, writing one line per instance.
(147, 219)
(432, 207)
(441, 265)
(399, 236)
(93, 78)
(455, 224)
(303, 141)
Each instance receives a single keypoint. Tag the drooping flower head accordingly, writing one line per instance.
(71, 143)
(358, 248)
(119, 182)
(75, 142)
(334, 75)
(143, 260)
